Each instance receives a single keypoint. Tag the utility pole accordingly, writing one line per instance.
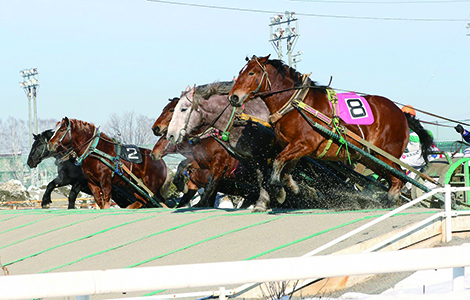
(30, 86)
(281, 28)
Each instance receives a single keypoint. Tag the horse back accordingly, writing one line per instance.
(390, 129)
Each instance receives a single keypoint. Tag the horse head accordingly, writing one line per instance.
(39, 150)
(160, 126)
(62, 136)
(252, 79)
(184, 118)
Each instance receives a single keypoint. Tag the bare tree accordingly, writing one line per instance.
(130, 128)
(44, 124)
(15, 143)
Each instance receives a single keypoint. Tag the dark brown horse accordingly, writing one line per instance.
(95, 150)
(276, 82)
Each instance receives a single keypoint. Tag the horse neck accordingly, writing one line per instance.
(277, 101)
(81, 140)
(213, 109)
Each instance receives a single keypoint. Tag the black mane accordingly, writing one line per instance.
(283, 69)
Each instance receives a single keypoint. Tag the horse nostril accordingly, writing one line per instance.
(233, 99)
(156, 130)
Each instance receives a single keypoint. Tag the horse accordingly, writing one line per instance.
(193, 112)
(206, 153)
(100, 162)
(197, 177)
(68, 173)
(276, 83)
(160, 126)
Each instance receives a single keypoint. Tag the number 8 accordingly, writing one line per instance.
(356, 108)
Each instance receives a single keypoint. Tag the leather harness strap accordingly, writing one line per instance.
(299, 95)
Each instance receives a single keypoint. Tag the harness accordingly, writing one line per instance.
(296, 101)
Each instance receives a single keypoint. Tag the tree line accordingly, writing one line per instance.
(127, 128)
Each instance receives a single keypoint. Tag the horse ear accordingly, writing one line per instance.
(193, 98)
(264, 60)
(188, 88)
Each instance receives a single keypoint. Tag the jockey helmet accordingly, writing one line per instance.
(409, 109)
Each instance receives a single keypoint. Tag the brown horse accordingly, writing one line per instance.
(96, 152)
(276, 82)
(160, 126)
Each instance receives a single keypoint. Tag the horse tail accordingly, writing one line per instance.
(425, 138)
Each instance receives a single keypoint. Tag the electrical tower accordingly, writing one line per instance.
(285, 27)
(30, 86)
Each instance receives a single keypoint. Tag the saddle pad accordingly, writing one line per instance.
(131, 153)
(354, 109)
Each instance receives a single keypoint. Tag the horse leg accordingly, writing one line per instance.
(395, 184)
(46, 198)
(210, 191)
(96, 190)
(289, 156)
(76, 188)
(134, 205)
(262, 204)
(178, 180)
(186, 198)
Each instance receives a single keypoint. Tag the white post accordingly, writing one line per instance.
(448, 213)
(458, 280)
(222, 293)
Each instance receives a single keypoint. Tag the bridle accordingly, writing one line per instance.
(183, 130)
(264, 77)
(69, 131)
(209, 127)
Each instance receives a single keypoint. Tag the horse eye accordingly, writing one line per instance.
(184, 109)
(172, 110)
(251, 73)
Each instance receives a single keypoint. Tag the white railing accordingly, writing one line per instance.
(85, 283)
(225, 273)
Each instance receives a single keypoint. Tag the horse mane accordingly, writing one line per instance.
(205, 91)
(284, 69)
(48, 133)
(83, 126)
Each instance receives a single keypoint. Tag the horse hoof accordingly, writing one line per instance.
(258, 209)
(46, 206)
(281, 197)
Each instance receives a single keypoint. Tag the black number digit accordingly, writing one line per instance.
(356, 108)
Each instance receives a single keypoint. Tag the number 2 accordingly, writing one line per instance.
(132, 155)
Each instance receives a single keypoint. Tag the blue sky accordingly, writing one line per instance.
(97, 57)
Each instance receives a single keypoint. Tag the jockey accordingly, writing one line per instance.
(412, 155)
(466, 136)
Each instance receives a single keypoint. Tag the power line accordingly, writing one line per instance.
(384, 2)
(307, 14)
